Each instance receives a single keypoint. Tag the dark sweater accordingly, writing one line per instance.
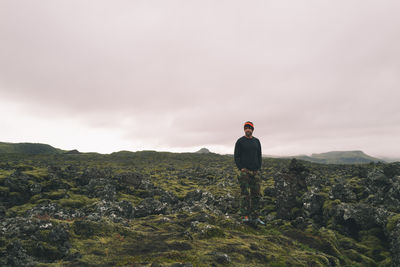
(248, 153)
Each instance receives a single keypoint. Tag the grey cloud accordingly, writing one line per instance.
(191, 72)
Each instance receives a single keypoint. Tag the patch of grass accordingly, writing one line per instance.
(392, 222)
(75, 201)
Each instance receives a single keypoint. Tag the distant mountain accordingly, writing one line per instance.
(332, 157)
(389, 159)
(72, 152)
(335, 157)
(203, 151)
(338, 157)
(29, 148)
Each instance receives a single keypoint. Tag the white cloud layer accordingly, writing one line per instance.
(104, 76)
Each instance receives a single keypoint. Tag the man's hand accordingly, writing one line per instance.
(243, 170)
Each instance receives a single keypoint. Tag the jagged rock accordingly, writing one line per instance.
(199, 200)
(150, 206)
(270, 191)
(168, 198)
(220, 257)
(201, 196)
(70, 171)
(313, 180)
(103, 188)
(360, 171)
(4, 194)
(301, 222)
(392, 169)
(93, 173)
(313, 202)
(24, 185)
(20, 226)
(2, 212)
(354, 217)
(51, 240)
(299, 170)
(54, 182)
(290, 185)
(116, 211)
(394, 237)
(134, 179)
(270, 217)
(343, 192)
(227, 203)
(59, 237)
(16, 255)
(53, 210)
(205, 230)
(382, 190)
(49, 208)
(6, 166)
(377, 178)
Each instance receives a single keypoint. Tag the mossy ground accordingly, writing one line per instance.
(168, 238)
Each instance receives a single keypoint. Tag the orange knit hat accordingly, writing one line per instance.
(249, 124)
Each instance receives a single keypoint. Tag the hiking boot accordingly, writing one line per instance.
(258, 220)
(245, 218)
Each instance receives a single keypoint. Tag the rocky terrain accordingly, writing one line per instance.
(180, 209)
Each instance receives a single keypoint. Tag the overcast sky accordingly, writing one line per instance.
(313, 76)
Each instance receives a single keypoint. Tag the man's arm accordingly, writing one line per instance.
(237, 155)
(259, 154)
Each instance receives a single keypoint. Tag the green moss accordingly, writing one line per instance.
(44, 250)
(329, 204)
(19, 210)
(71, 203)
(4, 191)
(359, 258)
(4, 174)
(39, 173)
(75, 201)
(128, 197)
(392, 222)
(169, 238)
(57, 194)
(269, 208)
(295, 212)
(210, 231)
(88, 228)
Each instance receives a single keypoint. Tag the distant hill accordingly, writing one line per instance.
(338, 157)
(72, 152)
(332, 157)
(29, 148)
(203, 150)
(335, 157)
(389, 159)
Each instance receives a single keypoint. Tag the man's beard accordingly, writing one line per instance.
(248, 133)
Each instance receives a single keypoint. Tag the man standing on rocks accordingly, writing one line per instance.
(248, 160)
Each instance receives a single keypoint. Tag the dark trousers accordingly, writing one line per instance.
(249, 193)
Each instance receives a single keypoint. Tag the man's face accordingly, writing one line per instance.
(248, 131)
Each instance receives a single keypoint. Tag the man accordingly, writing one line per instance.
(248, 160)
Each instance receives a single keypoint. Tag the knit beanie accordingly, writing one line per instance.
(249, 124)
